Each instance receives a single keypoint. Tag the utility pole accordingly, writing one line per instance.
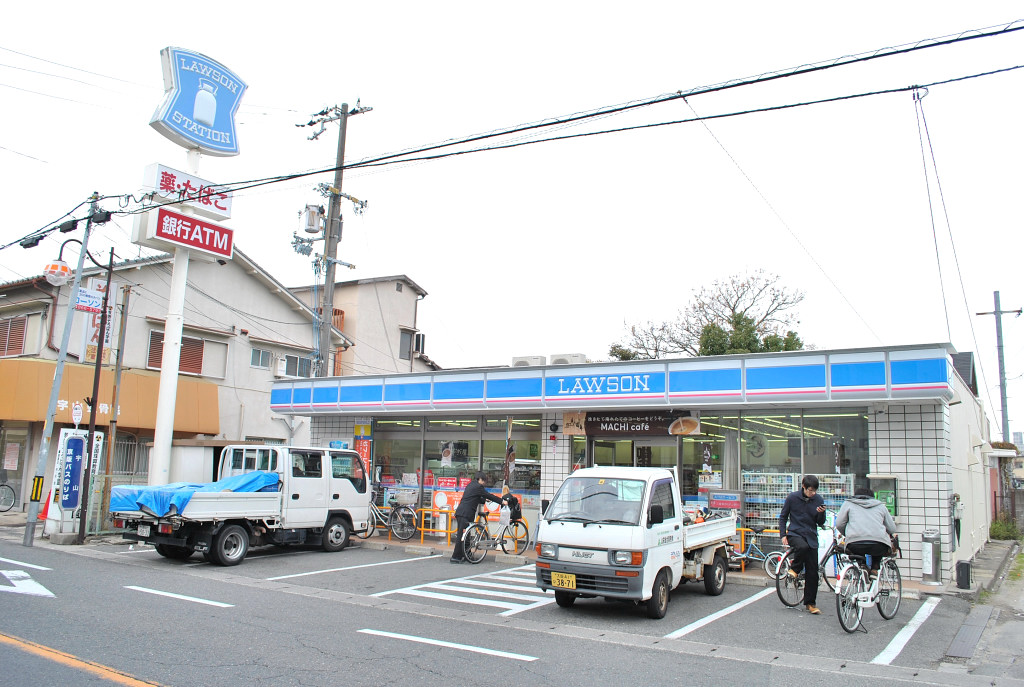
(332, 230)
(58, 377)
(1002, 366)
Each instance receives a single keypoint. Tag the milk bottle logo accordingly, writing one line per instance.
(205, 109)
(200, 101)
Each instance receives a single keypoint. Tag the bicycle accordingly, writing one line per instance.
(791, 589)
(770, 561)
(857, 590)
(512, 537)
(7, 494)
(401, 519)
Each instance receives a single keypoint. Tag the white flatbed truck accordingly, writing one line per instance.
(319, 495)
(621, 533)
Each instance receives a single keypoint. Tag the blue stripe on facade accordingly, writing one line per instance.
(919, 371)
(281, 397)
(858, 374)
(407, 392)
(361, 394)
(704, 380)
(301, 395)
(498, 389)
(786, 377)
(325, 394)
(472, 390)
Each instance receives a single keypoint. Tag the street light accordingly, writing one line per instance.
(58, 274)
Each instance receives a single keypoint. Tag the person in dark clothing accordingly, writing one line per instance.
(802, 513)
(472, 498)
(867, 526)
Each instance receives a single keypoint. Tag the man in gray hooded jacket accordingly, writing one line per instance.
(867, 525)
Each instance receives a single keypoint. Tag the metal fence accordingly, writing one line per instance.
(129, 465)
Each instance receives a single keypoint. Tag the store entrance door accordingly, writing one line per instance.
(612, 452)
(645, 452)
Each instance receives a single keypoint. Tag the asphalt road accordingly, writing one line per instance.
(300, 616)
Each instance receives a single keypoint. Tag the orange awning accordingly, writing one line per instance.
(25, 385)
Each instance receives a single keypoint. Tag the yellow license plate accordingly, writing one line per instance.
(563, 580)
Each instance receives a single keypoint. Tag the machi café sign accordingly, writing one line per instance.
(200, 101)
(679, 423)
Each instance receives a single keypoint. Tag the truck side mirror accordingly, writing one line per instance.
(656, 515)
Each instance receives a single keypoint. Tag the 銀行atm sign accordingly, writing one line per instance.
(191, 232)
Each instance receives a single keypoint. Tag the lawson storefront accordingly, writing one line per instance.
(753, 424)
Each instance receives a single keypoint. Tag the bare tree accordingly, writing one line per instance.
(758, 296)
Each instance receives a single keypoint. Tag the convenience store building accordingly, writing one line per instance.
(904, 420)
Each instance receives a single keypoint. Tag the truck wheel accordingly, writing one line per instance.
(178, 553)
(714, 576)
(564, 599)
(230, 545)
(335, 536)
(657, 605)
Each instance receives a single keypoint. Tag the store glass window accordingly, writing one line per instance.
(710, 460)
(617, 452)
(836, 450)
(526, 473)
(770, 441)
(397, 460)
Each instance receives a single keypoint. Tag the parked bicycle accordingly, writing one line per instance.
(790, 589)
(753, 553)
(856, 589)
(401, 519)
(513, 537)
(7, 494)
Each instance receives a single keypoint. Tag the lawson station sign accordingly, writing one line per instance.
(200, 101)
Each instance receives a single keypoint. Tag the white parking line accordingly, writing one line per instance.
(451, 645)
(354, 567)
(23, 564)
(720, 614)
(898, 642)
(180, 596)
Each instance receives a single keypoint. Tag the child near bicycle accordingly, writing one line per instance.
(867, 526)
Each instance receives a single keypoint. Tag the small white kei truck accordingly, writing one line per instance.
(621, 533)
(265, 495)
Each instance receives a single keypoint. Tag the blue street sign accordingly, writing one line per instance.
(200, 101)
(70, 486)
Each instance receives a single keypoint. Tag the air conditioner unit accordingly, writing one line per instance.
(529, 361)
(280, 366)
(568, 358)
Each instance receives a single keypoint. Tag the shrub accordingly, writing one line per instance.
(1004, 527)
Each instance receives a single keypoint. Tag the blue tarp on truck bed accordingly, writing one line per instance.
(159, 500)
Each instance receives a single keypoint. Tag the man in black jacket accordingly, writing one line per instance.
(472, 498)
(802, 513)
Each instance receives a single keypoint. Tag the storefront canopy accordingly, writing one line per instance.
(858, 376)
(25, 394)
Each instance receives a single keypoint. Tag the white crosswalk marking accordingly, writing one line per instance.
(514, 590)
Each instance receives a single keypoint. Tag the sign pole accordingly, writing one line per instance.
(58, 376)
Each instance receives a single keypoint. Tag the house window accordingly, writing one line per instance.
(191, 361)
(260, 358)
(295, 366)
(405, 345)
(12, 336)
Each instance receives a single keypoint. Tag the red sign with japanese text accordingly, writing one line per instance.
(194, 232)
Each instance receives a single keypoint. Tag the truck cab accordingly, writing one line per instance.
(621, 533)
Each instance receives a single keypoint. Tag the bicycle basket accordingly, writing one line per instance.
(405, 498)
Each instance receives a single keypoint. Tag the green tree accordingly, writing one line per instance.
(744, 313)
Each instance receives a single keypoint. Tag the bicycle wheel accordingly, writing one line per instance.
(890, 589)
(402, 522)
(472, 542)
(515, 537)
(789, 588)
(850, 584)
(830, 582)
(6, 497)
(771, 564)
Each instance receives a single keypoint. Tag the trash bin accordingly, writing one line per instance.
(963, 574)
(931, 557)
